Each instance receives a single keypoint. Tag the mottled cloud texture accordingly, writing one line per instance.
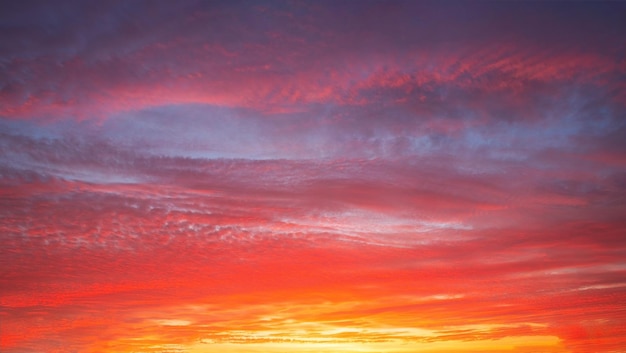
(308, 176)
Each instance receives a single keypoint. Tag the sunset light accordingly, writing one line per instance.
(312, 176)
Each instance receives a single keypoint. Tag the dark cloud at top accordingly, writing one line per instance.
(82, 53)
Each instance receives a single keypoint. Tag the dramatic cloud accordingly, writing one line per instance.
(312, 176)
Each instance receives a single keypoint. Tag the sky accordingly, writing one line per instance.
(312, 176)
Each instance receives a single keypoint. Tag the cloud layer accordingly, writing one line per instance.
(306, 176)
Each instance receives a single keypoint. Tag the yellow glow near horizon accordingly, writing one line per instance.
(544, 344)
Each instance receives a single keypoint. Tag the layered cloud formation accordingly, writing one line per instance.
(312, 176)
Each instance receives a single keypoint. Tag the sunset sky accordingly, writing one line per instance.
(312, 176)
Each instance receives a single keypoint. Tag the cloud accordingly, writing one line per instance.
(284, 60)
(306, 176)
